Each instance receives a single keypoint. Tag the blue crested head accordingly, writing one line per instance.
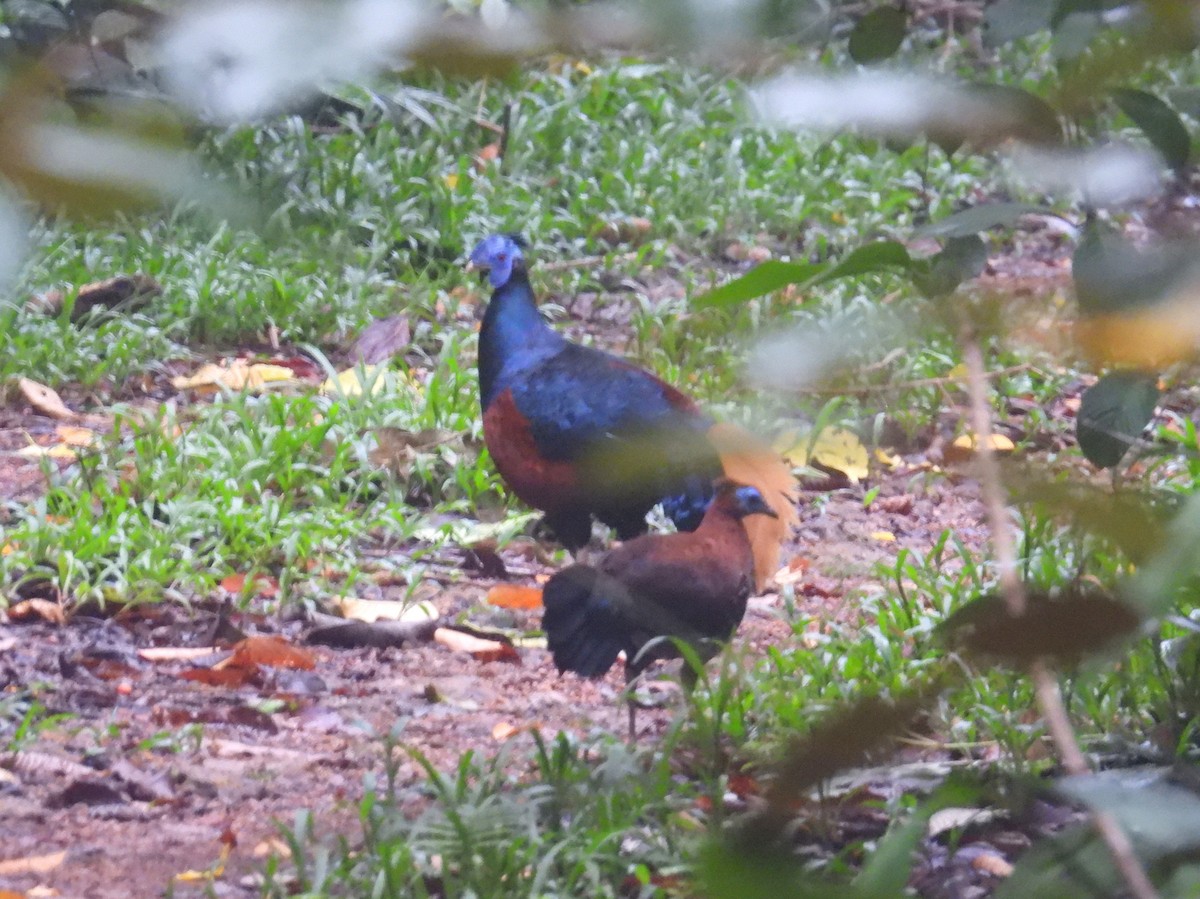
(741, 499)
(749, 501)
(498, 255)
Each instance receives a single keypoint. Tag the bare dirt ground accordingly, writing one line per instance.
(151, 774)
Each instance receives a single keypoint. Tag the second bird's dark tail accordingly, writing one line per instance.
(582, 621)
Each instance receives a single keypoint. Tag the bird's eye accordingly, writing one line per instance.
(500, 257)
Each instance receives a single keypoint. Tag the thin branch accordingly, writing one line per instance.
(585, 262)
(1045, 684)
(868, 389)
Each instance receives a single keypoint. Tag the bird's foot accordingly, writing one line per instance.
(589, 551)
(653, 694)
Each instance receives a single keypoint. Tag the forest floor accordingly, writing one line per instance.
(155, 774)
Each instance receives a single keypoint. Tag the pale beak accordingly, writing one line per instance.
(471, 266)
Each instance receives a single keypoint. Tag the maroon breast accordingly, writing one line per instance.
(539, 482)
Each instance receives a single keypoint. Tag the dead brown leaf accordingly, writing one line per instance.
(271, 651)
(381, 340)
(37, 610)
(124, 293)
(398, 448)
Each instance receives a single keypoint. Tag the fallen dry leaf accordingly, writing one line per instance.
(965, 446)
(32, 864)
(512, 596)
(263, 585)
(372, 610)
(54, 451)
(176, 653)
(272, 846)
(993, 864)
(486, 156)
(354, 381)
(883, 536)
(228, 678)
(37, 609)
(236, 375)
(833, 449)
(272, 651)
(381, 340)
(398, 448)
(124, 293)
(45, 400)
(481, 650)
(502, 731)
(75, 435)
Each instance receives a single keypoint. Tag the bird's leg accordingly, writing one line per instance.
(631, 678)
(589, 551)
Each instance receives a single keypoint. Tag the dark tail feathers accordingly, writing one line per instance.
(582, 620)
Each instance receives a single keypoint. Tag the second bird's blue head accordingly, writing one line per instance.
(497, 255)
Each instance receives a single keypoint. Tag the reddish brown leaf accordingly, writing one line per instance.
(230, 678)
(273, 652)
(262, 585)
(512, 596)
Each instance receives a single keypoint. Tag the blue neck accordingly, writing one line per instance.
(512, 326)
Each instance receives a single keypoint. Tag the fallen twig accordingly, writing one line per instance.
(916, 384)
(345, 633)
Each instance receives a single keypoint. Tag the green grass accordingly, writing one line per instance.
(338, 228)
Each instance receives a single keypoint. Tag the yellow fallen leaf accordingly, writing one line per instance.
(217, 870)
(237, 375)
(842, 451)
(8, 549)
(966, 445)
(372, 610)
(56, 451)
(891, 460)
(883, 536)
(354, 381)
(74, 435)
(451, 180)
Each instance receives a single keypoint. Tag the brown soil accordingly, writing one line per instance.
(152, 775)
